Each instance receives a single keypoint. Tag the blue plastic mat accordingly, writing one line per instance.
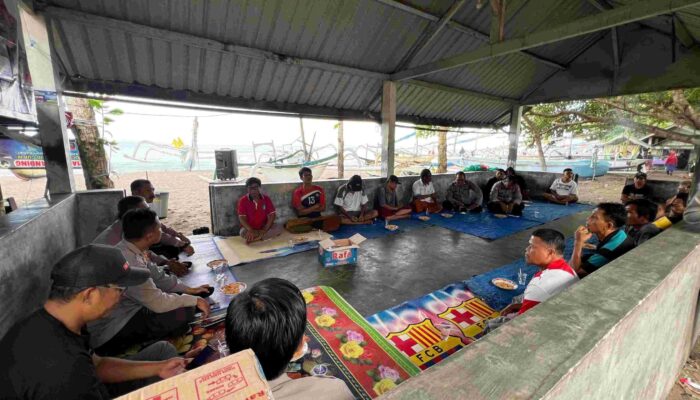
(484, 225)
(498, 298)
(200, 274)
(545, 212)
(377, 229)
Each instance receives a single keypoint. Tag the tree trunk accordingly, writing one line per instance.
(341, 150)
(303, 139)
(442, 151)
(90, 145)
(540, 152)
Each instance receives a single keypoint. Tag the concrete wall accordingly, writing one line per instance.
(663, 190)
(36, 237)
(223, 197)
(96, 210)
(624, 332)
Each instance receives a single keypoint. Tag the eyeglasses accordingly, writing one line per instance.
(121, 289)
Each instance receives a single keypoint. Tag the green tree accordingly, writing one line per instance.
(426, 131)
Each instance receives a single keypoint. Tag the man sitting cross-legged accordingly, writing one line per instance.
(606, 222)
(257, 214)
(47, 355)
(352, 203)
(113, 235)
(424, 196)
(146, 312)
(309, 201)
(269, 318)
(640, 220)
(463, 195)
(390, 207)
(505, 197)
(172, 242)
(564, 190)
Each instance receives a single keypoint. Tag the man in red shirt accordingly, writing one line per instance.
(546, 251)
(256, 214)
(309, 201)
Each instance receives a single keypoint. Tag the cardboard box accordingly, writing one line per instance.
(236, 377)
(340, 251)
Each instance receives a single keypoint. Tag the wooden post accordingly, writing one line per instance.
(341, 150)
(303, 139)
(2, 203)
(514, 135)
(388, 127)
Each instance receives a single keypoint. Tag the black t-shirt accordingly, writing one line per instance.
(42, 359)
(644, 193)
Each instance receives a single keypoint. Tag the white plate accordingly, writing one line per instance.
(497, 281)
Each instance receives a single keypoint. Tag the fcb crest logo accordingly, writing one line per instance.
(424, 344)
(470, 316)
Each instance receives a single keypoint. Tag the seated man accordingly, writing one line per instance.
(269, 318)
(146, 312)
(172, 241)
(424, 196)
(683, 188)
(564, 190)
(500, 175)
(47, 356)
(463, 195)
(505, 198)
(352, 203)
(309, 201)
(546, 251)
(113, 235)
(519, 180)
(641, 214)
(637, 190)
(390, 207)
(257, 214)
(606, 222)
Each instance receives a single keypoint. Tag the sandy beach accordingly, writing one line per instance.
(188, 203)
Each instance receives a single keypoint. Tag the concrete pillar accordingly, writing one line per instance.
(49, 103)
(388, 127)
(514, 135)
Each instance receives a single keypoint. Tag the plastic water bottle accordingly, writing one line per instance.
(522, 277)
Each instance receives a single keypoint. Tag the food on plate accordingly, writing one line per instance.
(391, 227)
(424, 218)
(233, 288)
(505, 284)
(447, 215)
(217, 263)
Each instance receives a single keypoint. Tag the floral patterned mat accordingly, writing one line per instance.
(342, 344)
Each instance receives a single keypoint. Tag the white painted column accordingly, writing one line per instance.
(514, 135)
(388, 127)
(49, 103)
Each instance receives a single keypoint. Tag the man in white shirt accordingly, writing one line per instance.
(424, 195)
(564, 190)
(352, 203)
(146, 311)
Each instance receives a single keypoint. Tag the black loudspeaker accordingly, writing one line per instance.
(226, 164)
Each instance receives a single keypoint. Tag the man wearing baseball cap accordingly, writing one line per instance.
(390, 206)
(48, 356)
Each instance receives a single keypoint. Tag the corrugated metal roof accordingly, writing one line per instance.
(328, 54)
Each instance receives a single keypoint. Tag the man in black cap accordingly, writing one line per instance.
(390, 207)
(48, 356)
(638, 189)
(352, 203)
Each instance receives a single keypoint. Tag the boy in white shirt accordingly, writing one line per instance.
(424, 196)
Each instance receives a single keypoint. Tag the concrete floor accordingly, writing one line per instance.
(396, 268)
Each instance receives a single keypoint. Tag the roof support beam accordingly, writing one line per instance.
(594, 23)
(430, 33)
(463, 92)
(616, 58)
(203, 43)
(466, 30)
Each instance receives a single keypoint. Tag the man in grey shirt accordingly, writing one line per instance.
(388, 204)
(505, 197)
(640, 217)
(463, 195)
(146, 312)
